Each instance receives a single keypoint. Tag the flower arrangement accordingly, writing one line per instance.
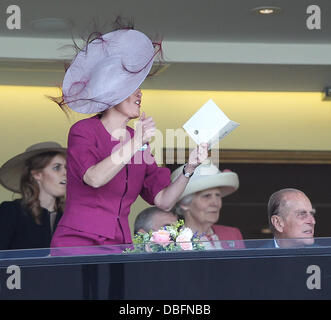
(175, 237)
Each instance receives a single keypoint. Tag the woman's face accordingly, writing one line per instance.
(130, 107)
(52, 179)
(205, 206)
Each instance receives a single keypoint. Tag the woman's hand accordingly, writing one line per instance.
(197, 156)
(168, 197)
(101, 173)
(145, 129)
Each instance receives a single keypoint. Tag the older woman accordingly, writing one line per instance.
(39, 175)
(201, 202)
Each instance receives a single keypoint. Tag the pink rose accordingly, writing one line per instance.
(184, 242)
(161, 237)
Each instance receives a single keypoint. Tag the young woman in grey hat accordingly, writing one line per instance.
(39, 175)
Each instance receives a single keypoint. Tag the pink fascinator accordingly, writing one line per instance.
(107, 71)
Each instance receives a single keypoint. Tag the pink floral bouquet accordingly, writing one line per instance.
(175, 237)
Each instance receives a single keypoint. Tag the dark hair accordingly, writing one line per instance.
(30, 188)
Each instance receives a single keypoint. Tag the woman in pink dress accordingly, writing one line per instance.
(109, 164)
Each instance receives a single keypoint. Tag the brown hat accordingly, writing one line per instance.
(11, 172)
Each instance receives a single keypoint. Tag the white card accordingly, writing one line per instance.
(209, 124)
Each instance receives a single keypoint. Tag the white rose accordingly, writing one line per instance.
(186, 234)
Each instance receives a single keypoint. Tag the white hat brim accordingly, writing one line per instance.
(228, 182)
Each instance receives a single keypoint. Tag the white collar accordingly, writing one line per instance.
(276, 244)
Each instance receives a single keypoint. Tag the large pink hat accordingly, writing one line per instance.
(107, 71)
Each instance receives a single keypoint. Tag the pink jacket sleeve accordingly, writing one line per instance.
(156, 179)
(82, 150)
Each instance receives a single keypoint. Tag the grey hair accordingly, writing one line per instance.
(275, 203)
(183, 202)
(144, 219)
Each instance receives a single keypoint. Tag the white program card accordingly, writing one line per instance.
(209, 124)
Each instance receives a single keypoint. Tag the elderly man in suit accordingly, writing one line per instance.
(291, 218)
